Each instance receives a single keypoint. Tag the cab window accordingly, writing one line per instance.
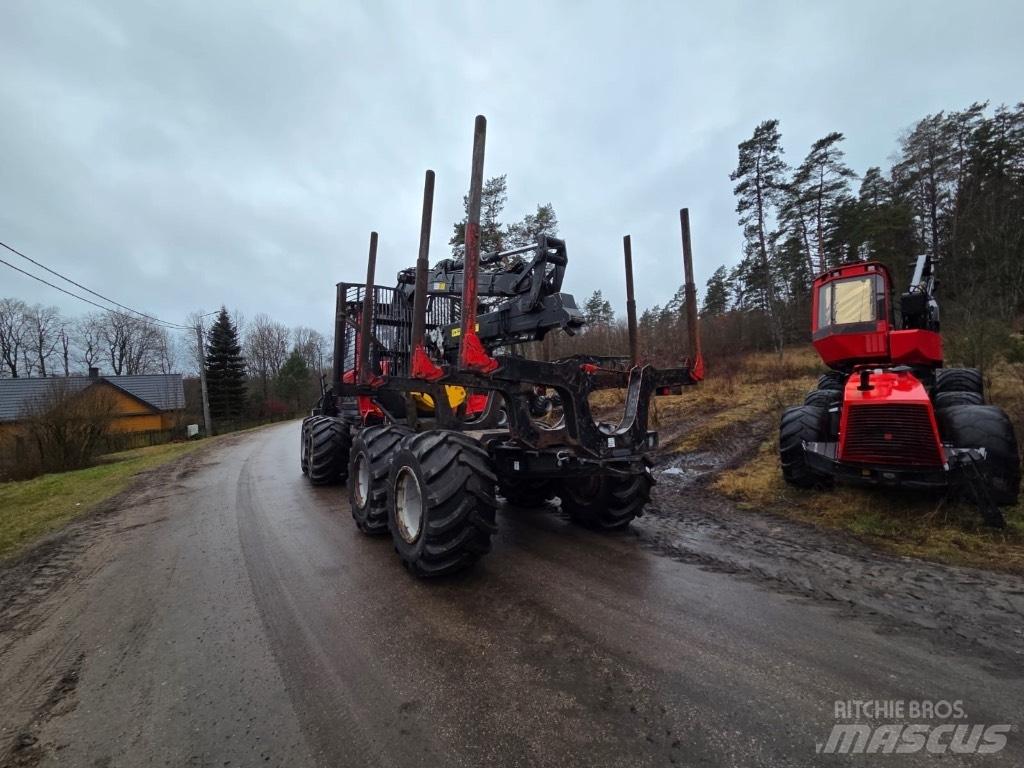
(853, 300)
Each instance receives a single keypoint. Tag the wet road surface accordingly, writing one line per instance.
(227, 613)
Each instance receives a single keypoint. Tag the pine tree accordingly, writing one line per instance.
(823, 183)
(533, 225)
(225, 369)
(760, 173)
(492, 203)
(923, 173)
(880, 225)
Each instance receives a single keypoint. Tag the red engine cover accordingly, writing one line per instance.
(891, 424)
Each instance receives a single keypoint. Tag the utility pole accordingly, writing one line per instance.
(207, 422)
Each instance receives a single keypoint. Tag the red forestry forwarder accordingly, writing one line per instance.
(431, 412)
(888, 413)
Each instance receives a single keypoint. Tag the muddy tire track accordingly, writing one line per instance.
(965, 609)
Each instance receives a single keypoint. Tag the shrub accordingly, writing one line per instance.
(67, 425)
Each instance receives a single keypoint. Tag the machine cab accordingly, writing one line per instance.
(850, 321)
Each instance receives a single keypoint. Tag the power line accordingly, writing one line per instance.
(87, 290)
(82, 298)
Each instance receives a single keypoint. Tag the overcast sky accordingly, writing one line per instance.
(178, 155)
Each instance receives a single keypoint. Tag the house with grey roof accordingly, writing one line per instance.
(144, 403)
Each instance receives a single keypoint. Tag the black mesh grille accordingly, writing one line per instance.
(392, 327)
(890, 434)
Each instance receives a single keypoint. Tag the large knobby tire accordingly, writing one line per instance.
(823, 398)
(832, 380)
(802, 423)
(328, 446)
(527, 494)
(949, 399)
(959, 380)
(988, 427)
(441, 505)
(304, 444)
(606, 502)
(368, 465)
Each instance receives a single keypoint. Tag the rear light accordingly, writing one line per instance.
(896, 435)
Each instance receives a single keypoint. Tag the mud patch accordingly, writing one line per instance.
(26, 580)
(27, 747)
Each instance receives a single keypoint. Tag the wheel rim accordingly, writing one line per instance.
(408, 505)
(362, 488)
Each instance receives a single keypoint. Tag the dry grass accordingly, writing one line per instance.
(905, 523)
(738, 391)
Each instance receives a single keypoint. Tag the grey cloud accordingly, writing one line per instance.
(178, 155)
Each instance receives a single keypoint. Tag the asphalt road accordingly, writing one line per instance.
(229, 614)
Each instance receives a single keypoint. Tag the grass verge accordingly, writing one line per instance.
(32, 508)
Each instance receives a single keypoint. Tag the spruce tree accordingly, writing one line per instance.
(717, 294)
(597, 311)
(225, 369)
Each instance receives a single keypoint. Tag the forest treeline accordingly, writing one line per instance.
(954, 190)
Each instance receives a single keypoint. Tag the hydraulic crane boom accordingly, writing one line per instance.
(918, 307)
(529, 291)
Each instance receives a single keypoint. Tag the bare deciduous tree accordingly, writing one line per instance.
(13, 331)
(65, 348)
(266, 349)
(167, 352)
(44, 325)
(88, 341)
(131, 345)
(312, 345)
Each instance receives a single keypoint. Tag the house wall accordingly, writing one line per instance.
(139, 422)
(132, 416)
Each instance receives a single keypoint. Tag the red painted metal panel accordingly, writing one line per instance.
(891, 424)
(851, 343)
(916, 347)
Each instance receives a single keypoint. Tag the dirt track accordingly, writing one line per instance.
(229, 614)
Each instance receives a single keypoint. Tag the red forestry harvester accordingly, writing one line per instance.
(431, 412)
(888, 413)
